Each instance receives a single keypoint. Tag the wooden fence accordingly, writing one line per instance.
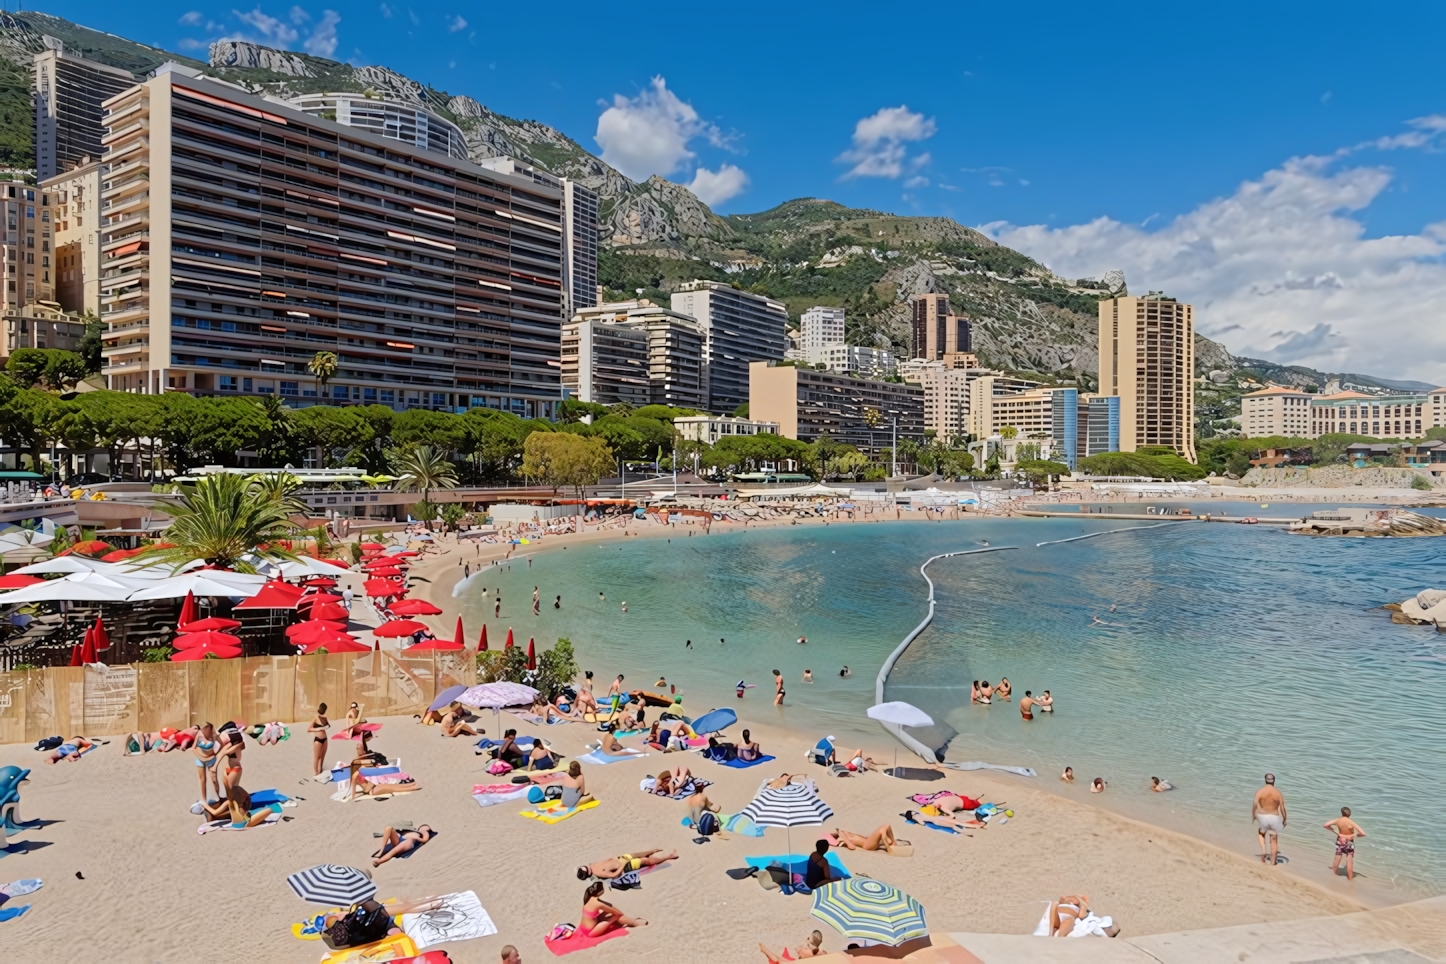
(83, 700)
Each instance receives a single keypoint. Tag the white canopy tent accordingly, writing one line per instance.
(76, 587)
(206, 582)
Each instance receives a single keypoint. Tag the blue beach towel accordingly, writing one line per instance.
(602, 759)
(263, 797)
(934, 826)
(10, 913)
(734, 823)
(745, 764)
(796, 864)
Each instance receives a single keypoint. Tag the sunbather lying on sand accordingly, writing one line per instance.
(855, 760)
(941, 819)
(1064, 912)
(69, 750)
(880, 839)
(396, 844)
(780, 781)
(617, 866)
(454, 725)
(671, 781)
(599, 917)
(813, 947)
(236, 807)
(609, 744)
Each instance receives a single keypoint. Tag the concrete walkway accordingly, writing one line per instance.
(1412, 933)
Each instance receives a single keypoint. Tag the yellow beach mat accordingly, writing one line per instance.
(552, 811)
(394, 948)
(307, 930)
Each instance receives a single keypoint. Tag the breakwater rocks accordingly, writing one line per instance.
(1369, 522)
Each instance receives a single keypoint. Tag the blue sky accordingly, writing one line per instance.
(1279, 164)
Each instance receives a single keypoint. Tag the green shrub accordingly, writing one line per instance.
(157, 654)
(1421, 483)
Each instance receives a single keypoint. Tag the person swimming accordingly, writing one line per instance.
(1068, 775)
(1046, 703)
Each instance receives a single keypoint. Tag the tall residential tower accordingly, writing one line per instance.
(1147, 359)
(69, 91)
(739, 327)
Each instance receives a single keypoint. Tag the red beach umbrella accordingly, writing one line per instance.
(303, 633)
(482, 640)
(76, 657)
(273, 595)
(206, 638)
(319, 597)
(415, 607)
(91, 547)
(188, 610)
(320, 582)
(436, 644)
(339, 563)
(218, 623)
(335, 642)
(383, 587)
(508, 644)
(372, 547)
(531, 654)
(399, 628)
(457, 638)
(386, 572)
(201, 652)
(328, 611)
(18, 581)
(102, 638)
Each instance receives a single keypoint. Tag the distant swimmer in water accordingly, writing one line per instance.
(1112, 608)
(974, 692)
(984, 542)
(1046, 703)
(1160, 786)
(601, 598)
(1068, 775)
(985, 692)
(846, 672)
(1097, 785)
(1004, 689)
(1026, 705)
(1098, 622)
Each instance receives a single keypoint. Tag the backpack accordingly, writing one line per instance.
(499, 767)
(708, 824)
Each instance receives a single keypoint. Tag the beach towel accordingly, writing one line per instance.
(272, 819)
(927, 799)
(10, 913)
(796, 864)
(460, 918)
(932, 826)
(396, 947)
(20, 888)
(553, 812)
(745, 764)
(262, 798)
(355, 732)
(581, 942)
(491, 799)
(734, 823)
(977, 765)
(342, 774)
(602, 759)
(1091, 926)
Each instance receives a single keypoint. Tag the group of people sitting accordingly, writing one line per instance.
(746, 749)
(453, 720)
(539, 756)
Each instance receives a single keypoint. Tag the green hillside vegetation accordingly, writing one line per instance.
(1153, 462)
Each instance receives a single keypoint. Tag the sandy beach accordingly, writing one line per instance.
(122, 823)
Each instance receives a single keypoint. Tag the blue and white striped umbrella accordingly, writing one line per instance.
(333, 884)
(792, 806)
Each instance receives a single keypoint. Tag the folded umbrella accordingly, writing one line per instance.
(482, 640)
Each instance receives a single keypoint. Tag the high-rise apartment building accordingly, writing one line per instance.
(809, 404)
(242, 237)
(1100, 415)
(819, 327)
(935, 333)
(739, 328)
(1064, 410)
(69, 91)
(868, 362)
(75, 220)
(395, 120)
(580, 245)
(1147, 358)
(676, 374)
(28, 247)
(606, 364)
(946, 397)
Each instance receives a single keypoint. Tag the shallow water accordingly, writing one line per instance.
(1231, 651)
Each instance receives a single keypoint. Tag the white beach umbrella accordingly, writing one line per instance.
(209, 582)
(61, 564)
(900, 714)
(307, 566)
(77, 587)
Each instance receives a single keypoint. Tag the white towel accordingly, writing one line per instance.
(1091, 926)
(1043, 929)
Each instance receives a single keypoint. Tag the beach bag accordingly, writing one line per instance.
(534, 795)
(499, 767)
(50, 743)
(561, 932)
(708, 824)
(553, 792)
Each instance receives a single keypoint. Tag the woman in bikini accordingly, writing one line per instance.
(205, 751)
(617, 866)
(1065, 912)
(748, 750)
(880, 839)
(318, 729)
(599, 917)
(353, 720)
(1004, 689)
(229, 756)
(396, 844)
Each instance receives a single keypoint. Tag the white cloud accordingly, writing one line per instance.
(715, 187)
(457, 24)
(649, 134)
(918, 180)
(322, 42)
(879, 143)
(274, 32)
(1283, 267)
(193, 18)
(386, 12)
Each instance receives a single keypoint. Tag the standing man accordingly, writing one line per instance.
(536, 602)
(1346, 831)
(778, 688)
(1268, 811)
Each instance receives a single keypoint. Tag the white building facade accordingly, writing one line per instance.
(819, 327)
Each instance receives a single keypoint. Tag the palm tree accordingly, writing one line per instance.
(223, 518)
(280, 488)
(323, 366)
(423, 469)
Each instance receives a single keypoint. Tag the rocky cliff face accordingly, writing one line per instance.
(237, 53)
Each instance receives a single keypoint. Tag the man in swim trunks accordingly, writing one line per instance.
(627, 863)
(1026, 705)
(1268, 811)
(1346, 831)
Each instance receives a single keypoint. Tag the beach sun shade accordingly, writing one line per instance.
(201, 652)
(372, 547)
(714, 721)
(211, 582)
(901, 714)
(400, 627)
(494, 696)
(862, 908)
(18, 582)
(206, 638)
(323, 582)
(102, 638)
(273, 595)
(415, 607)
(77, 587)
(457, 636)
(435, 644)
(312, 599)
(333, 885)
(91, 547)
(788, 807)
(508, 644)
(328, 611)
(482, 640)
(383, 587)
(531, 653)
(188, 610)
(335, 642)
(217, 623)
(315, 629)
(446, 697)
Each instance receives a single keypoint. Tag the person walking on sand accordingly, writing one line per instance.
(1346, 831)
(1268, 812)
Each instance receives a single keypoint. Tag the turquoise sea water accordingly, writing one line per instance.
(1232, 650)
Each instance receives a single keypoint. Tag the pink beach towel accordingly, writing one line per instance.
(356, 731)
(581, 942)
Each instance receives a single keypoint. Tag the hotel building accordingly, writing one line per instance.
(241, 237)
(675, 368)
(606, 364)
(809, 404)
(739, 328)
(1290, 412)
(1147, 359)
(1277, 411)
(69, 92)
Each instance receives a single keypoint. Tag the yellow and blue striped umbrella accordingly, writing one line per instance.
(861, 907)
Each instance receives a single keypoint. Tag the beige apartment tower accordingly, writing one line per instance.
(75, 198)
(1147, 359)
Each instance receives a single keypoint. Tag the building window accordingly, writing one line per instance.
(388, 396)
(339, 392)
(290, 388)
(227, 383)
(369, 394)
(246, 384)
